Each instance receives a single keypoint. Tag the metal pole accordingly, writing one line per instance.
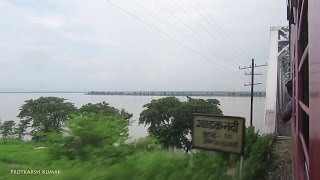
(241, 166)
(252, 84)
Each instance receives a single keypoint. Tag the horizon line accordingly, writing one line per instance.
(120, 91)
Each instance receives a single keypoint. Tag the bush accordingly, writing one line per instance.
(251, 137)
(209, 165)
(89, 135)
(256, 165)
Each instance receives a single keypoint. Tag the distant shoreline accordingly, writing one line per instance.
(34, 92)
(149, 93)
(177, 93)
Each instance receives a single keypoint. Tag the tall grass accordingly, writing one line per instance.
(139, 160)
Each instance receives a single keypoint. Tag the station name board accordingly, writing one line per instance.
(221, 133)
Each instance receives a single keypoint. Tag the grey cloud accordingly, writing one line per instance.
(92, 45)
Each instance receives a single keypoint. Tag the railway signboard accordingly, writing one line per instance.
(220, 133)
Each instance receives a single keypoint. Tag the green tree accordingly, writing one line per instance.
(46, 114)
(6, 129)
(170, 120)
(20, 129)
(105, 109)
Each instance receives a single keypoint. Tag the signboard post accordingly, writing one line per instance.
(219, 133)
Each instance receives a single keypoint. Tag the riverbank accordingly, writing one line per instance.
(141, 160)
(178, 93)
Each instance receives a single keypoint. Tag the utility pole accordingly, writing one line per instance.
(251, 83)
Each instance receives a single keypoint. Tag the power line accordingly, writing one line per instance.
(159, 19)
(210, 34)
(208, 22)
(168, 36)
(227, 46)
(220, 53)
(223, 32)
(175, 29)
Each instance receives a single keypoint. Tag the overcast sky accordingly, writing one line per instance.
(134, 44)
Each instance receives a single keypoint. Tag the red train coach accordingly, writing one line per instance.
(304, 23)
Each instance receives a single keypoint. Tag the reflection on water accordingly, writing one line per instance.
(232, 106)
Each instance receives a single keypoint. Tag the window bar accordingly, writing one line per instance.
(304, 147)
(304, 57)
(294, 15)
(302, 9)
(304, 107)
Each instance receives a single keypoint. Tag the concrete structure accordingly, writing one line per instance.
(278, 72)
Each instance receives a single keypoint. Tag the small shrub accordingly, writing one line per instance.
(251, 137)
(90, 135)
(256, 165)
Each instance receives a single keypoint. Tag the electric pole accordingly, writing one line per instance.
(252, 83)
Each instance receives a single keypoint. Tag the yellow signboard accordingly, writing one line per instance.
(221, 133)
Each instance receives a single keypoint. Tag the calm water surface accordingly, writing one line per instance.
(232, 106)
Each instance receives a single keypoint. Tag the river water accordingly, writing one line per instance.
(232, 106)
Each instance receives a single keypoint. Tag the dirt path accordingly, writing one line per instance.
(281, 160)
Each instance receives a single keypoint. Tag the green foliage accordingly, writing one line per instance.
(170, 120)
(205, 162)
(160, 165)
(6, 129)
(105, 109)
(150, 165)
(137, 165)
(90, 135)
(93, 143)
(250, 139)
(159, 115)
(46, 114)
(148, 143)
(19, 152)
(257, 164)
(136, 161)
(20, 129)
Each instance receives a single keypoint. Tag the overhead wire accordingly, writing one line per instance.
(222, 32)
(177, 30)
(156, 16)
(226, 45)
(181, 33)
(220, 53)
(221, 43)
(170, 37)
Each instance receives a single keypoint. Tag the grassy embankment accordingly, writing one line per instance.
(134, 162)
(155, 164)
